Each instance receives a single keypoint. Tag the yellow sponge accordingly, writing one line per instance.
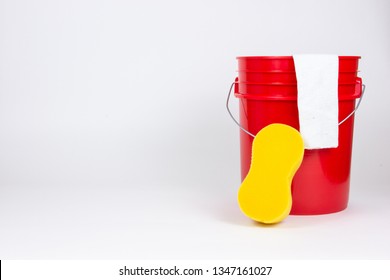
(265, 193)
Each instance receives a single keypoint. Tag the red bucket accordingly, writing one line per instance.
(321, 184)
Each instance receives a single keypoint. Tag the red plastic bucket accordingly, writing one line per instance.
(321, 184)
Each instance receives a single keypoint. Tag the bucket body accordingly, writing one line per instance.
(321, 184)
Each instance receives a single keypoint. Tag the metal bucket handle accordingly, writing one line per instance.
(247, 132)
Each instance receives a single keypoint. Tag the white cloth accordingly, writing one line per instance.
(317, 77)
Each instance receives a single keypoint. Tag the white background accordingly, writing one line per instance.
(115, 142)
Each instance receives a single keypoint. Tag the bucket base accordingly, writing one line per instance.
(317, 213)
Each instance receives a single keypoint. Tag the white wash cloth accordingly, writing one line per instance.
(317, 77)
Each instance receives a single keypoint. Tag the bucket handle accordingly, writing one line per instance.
(251, 134)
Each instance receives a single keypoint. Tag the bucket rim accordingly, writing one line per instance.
(343, 57)
(286, 84)
(252, 96)
(287, 72)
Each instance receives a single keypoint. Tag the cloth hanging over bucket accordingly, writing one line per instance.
(317, 82)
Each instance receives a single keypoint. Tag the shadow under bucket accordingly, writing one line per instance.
(321, 184)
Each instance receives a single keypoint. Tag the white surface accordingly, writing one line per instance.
(158, 222)
(318, 106)
(115, 142)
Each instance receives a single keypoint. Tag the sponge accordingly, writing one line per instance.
(265, 193)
